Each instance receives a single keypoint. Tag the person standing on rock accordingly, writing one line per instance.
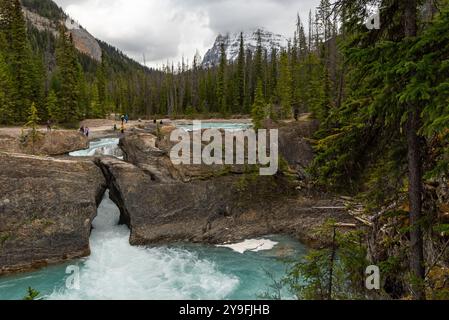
(48, 125)
(87, 131)
(296, 113)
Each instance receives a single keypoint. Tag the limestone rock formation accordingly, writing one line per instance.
(48, 144)
(46, 209)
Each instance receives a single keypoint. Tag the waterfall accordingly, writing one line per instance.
(107, 147)
(116, 270)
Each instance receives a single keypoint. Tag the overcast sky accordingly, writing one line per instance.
(169, 29)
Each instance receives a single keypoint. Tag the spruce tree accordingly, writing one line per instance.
(101, 87)
(241, 78)
(259, 106)
(67, 65)
(274, 74)
(258, 58)
(33, 123)
(6, 16)
(52, 106)
(249, 89)
(6, 105)
(285, 87)
(398, 98)
(221, 82)
(96, 109)
(20, 61)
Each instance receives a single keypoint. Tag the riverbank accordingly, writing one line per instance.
(47, 202)
(116, 270)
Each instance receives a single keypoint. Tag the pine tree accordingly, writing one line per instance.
(68, 73)
(258, 58)
(249, 88)
(398, 97)
(302, 41)
(83, 94)
(221, 82)
(96, 109)
(6, 105)
(241, 77)
(272, 83)
(20, 61)
(33, 122)
(6, 15)
(259, 106)
(285, 87)
(52, 106)
(101, 88)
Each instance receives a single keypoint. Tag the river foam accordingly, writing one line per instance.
(107, 147)
(254, 245)
(116, 270)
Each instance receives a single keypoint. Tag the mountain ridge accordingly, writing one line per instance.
(44, 15)
(232, 45)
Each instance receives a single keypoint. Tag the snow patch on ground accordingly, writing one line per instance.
(254, 245)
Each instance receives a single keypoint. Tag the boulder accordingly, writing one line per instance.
(141, 149)
(47, 144)
(294, 144)
(221, 209)
(46, 209)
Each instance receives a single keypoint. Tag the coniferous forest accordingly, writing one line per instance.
(68, 86)
(381, 97)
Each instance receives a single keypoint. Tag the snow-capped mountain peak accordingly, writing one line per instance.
(232, 45)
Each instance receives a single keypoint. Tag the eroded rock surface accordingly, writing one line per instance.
(294, 146)
(46, 209)
(217, 210)
(163, 203)
(48, 144)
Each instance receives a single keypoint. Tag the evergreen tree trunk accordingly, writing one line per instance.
(331, 264)
(415, 176)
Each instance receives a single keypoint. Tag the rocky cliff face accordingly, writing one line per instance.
(217, 210)
(163, 203)
(50, 144)
(82, 39)
(46, 210)
(47, 205)
(232, 45)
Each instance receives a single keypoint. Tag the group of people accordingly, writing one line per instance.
(122, 128)
(85, 131)
(124, 118)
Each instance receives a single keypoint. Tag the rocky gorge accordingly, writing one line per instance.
(47, 205)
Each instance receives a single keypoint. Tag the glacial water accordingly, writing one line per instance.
(116, 270)
(217, 125)
(106, 147)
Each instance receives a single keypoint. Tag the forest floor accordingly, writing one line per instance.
(98, 128)
(104, 127)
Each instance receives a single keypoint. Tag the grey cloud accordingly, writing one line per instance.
(167, 29)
